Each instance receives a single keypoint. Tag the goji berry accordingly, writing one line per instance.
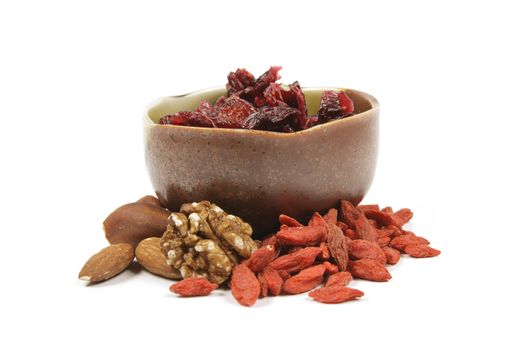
(289, 221)
(245, 285)
(392, 255)
(337, 245)
(261, 257)
(302, 236)
(360, 249)
(400, 242)
(274, 281)
(339, 279)
(331, 216)
(369, 269)
(383, 241)
(421, 251)
(297, 261)
(352, 234)
(342, 226)
(384, 219)
(335, 294)
(193, 286)
(264, 285)
(325, 252)
(330, 268)
(402, 216)
(305, 280)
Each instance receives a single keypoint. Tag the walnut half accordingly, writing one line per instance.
(203, 240)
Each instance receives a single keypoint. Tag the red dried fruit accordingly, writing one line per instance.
(369, 269)
(335, 294)
(360, 249)
(334, 105)
(383, 241)
(346, 103)
(244, 285)
(193, 286)
(339, 279)
(338, 248)
(396, 231)
(356, 220)
(365, 207)
(289, 221)
(294, 97)
(392, 255)
(402, 216)
(274, 281)
(331, 217)
(272, 96)
(421, 251)
(270, 240)
(330, 268)
(279, 118)
(264, 285)
(268, 77)
(387, 210)
(352, 234)
(233, 112)
(384, 219)
(317, 220)
(305, 280)
(284, 274)
(302, 236)
(325, 252)
(342, 226)
(239, 80)
(400, 242)
(386, 231)
(188, 119)
(296, 261)
(261, 257)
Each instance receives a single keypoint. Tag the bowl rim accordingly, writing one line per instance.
(371, 99)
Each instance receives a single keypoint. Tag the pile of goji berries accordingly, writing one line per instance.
(345, 243)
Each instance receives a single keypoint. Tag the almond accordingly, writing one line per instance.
(107, 263)
(150, 256)
(133, 222)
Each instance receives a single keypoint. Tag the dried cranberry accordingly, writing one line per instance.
(257, 89)
(233, 112)
(278, 118)
(335, 105)
(347, 105)
(330, 107)
(272, 96)
(239, 80)
(187, 119)
(295, 98)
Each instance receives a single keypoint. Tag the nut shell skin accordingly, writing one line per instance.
(133, 222)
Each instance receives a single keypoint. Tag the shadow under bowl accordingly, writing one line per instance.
(258, 175)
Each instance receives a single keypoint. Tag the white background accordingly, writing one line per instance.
(75, 78)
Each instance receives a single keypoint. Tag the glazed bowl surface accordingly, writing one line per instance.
(258, 175)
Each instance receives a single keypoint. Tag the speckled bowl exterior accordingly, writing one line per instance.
(258, 175)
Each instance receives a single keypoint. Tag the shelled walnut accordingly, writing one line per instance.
(204, 240)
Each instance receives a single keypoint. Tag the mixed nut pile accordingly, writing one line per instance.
(203, 247)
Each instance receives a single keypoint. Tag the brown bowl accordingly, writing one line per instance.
(258, 175)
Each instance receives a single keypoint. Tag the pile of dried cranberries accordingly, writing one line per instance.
(263, 104)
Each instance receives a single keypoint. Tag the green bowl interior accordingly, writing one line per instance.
(189, 102)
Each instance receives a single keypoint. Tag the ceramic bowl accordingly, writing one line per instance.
(258, 175)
